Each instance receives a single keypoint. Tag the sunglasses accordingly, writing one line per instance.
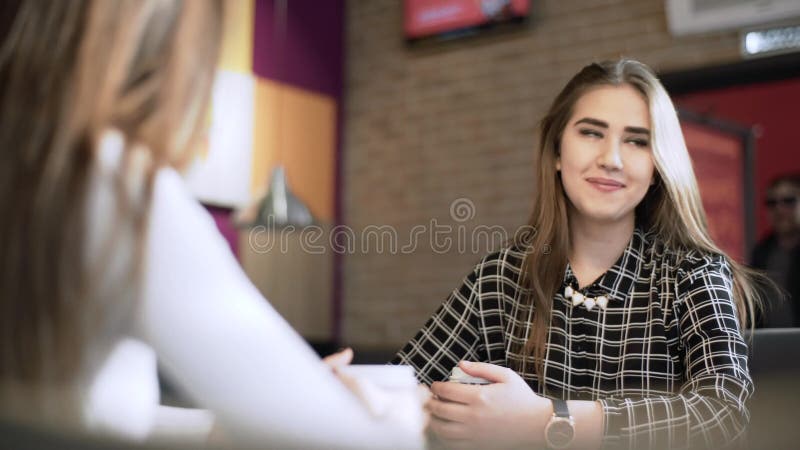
(783, 201)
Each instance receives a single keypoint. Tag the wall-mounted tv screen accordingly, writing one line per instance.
(428, 18)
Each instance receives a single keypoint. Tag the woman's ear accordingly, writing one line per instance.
(558, 164)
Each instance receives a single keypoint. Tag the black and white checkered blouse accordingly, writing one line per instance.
(666, 358)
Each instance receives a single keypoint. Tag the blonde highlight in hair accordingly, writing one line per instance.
(70, 71)
(672, 207)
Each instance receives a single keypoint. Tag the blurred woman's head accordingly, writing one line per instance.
(142, 66)
(70, 70)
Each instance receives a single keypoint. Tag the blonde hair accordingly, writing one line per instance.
(672, 207)
(70, 70)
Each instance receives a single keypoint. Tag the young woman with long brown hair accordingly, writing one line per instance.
(108, 261)
(618, 322)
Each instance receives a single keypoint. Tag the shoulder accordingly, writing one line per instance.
(507, 261)
(682, 261)
(702, 276)
(179, 228)
(499, 272)
(689, 270)
(693, 262)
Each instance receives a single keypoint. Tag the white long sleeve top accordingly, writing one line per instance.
(212, 331)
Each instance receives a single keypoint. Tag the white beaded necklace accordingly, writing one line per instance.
(589, 302)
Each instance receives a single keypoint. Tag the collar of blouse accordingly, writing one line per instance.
(615, 284)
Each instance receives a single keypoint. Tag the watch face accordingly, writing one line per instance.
(559, 433)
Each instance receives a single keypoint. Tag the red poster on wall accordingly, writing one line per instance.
(718, 160)
(430, 17)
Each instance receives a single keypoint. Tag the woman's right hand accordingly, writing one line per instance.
(360, 388)
(339, 359)
(376, 401)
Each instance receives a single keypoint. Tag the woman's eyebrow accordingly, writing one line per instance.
(603, 124)
(638, 130)
(591, 121)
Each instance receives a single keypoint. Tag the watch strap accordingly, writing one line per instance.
(560, 408)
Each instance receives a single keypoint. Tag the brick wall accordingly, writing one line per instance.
(428, 125)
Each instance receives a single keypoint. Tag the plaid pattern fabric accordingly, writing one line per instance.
(666, 358)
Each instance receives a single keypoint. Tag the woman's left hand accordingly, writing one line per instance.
(504, 414)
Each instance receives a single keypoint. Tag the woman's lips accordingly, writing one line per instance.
(605, 184)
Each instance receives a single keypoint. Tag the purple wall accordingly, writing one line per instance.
(222, 216)
(307, 51)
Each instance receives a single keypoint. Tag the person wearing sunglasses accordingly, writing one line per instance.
(779, 252)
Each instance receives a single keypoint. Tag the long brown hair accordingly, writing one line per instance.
(672, 207)
(70, 71)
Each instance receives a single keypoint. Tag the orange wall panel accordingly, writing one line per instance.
(296, 128)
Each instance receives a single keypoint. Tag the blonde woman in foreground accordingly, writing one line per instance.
(616, 321)
(108, 261)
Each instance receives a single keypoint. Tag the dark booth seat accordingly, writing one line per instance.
(775, 406)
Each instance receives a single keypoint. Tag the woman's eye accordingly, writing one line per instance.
(641, 143)
(590, 132)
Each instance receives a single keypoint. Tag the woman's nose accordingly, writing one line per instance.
(611, 157)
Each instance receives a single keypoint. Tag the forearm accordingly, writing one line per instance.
(432, 357)
(588, 425)
(722, 425)
(678, 421)
(297, 402)
(588, 416)
(181, 425)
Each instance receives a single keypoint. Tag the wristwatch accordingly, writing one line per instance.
(560, 431)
